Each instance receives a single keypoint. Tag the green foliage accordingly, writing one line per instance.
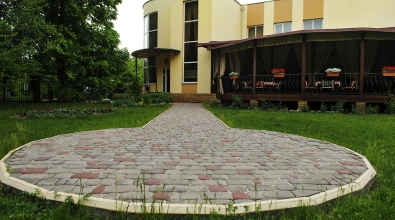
(156, 98)
(264, 105)
(53, 112)
(390, 105)
(305, 108)
(125, 103)
(338, 107)
(323, 107)
(238, 103)
(372, 109)
(118, 96)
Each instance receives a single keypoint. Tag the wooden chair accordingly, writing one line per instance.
(350, 87)
(309, 88)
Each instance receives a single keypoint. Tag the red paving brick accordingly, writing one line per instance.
(344, 171)
(85, 176)
(245, 172)
(204, 177)
(239, 196)
(150, 182)
(213, 168)
(161, 196)
(218, 189)
(84, 148)
(98, 190)
(257, 182)
(33, 170)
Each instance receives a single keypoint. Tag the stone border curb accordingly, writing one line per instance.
(138, 207)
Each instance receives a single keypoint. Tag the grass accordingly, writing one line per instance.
(370, 135)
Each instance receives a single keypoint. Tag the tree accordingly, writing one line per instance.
(84, 49)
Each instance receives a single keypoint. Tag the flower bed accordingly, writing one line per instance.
(50, 113)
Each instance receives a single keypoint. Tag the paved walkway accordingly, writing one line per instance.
(183, 156)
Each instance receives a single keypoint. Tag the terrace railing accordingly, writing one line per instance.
(345, 83)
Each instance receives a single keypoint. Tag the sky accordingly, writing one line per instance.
(130, 23)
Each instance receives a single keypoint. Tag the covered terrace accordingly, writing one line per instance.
(360, 53)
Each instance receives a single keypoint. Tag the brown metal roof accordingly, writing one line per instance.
(220, 44)
(150, 52)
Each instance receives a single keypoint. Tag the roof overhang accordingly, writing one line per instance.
(150, 52)
(213, 45)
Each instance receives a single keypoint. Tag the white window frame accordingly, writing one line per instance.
(255, 27)
(313, 24)
(186, 42)
(146, 28)
(282, 27)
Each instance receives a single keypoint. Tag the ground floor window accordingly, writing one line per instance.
(150, 70)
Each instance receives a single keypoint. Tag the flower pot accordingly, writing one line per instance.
(330, 74)
(279, 75)
(388, 73)
(234, 77)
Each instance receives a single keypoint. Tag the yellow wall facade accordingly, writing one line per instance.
(354, 13)
(221, 20)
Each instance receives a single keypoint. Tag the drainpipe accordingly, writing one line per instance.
(242, 22)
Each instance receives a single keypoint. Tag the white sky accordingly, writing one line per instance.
(130, 23)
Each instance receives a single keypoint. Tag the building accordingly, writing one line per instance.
(192, 46)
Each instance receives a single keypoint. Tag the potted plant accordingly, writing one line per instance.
(234, 75)
(388, 71)
(333, 72)
(278, 72)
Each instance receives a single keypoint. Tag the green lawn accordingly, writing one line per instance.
(369, 135)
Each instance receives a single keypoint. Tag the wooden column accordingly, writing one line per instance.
(254, 73)
(303, 64)
(362, 66)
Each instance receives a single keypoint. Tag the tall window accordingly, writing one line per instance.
(150, 41)
(190, 41)
(282, 27)
(151, 30)
(313, 24)
(255, 31)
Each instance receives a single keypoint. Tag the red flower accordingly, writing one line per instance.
(278, 70)
(389, 68)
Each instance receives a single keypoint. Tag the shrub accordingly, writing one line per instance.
(264, 105)
(323, 107)
(125, 103)
(390, 105)
(156, 98)
(305, 108)
(238, 103)
(338, 107)
(372, 109)
(118, 96)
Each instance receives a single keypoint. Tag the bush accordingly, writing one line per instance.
(305, 108)
(118, 96)
(238, 103)
(372, 109)
(156, 98)
(338, 107)
(323, 107)
(264, 105)
(125, 103)
(390, 106)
